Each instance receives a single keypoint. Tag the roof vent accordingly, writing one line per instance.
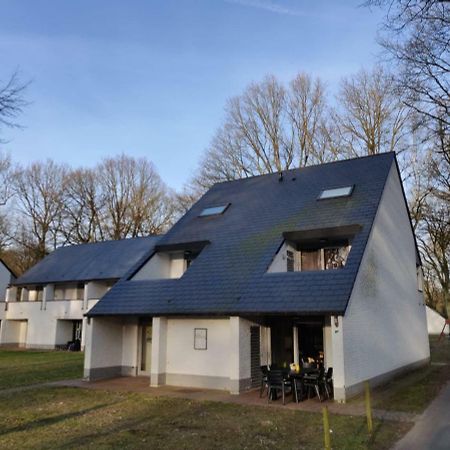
(280, 176)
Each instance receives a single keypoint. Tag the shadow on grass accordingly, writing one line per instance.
(29, 426)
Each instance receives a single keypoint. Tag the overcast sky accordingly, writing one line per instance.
(150, 78)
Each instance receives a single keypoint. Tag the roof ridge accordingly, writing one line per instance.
(83, 244)
(339, 161)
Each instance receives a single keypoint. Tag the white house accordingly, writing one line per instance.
(44, 307)
(435, 321)
(318, 261)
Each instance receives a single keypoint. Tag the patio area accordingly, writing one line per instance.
(250, 398)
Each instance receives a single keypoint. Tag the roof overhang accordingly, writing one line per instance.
(181, 246)
(322, 236)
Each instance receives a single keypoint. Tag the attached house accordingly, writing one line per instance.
(319, 261)
(44, 307)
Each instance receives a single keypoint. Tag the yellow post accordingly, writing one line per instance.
(326, 429)
(368, 408)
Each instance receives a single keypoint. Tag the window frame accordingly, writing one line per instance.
(220, 210)
(324, 196)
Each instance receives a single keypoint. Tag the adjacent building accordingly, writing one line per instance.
(45, 307)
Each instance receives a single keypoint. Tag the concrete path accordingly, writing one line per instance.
(432, 429)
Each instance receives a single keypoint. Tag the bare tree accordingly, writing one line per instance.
(83, 206)
(12, 100)
(39, 191)
(417, 37)
(268, 128)
(135, 200)
(416, 40)
(309, 116)
(371, 117)
(434, 238)
(12, 103)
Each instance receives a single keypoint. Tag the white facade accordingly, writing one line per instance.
(435, 322)
(46, 314)
(161, 266)
(384, 328)
(114, 350)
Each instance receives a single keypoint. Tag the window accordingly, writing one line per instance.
(335, 257)
(36, 294)
(292, 257)
(200, 338)
(214, 210)
(335, 193)
(290, 261)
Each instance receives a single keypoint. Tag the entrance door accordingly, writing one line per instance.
(146, 350)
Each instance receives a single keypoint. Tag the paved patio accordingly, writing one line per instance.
(141, 384)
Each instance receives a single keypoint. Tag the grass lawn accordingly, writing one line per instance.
(76, 418)
(21, 368)
(50, 417)
(414, 391)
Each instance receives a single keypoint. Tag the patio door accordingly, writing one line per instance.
(145, 350)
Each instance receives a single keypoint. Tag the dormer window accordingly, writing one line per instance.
(214, 210)
(170, 261)
(313, 250)
(345, 191)
(292, 259)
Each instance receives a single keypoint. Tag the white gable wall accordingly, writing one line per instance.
(384, 328)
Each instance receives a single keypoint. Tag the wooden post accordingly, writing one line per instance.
(326, 429)
(368, 408)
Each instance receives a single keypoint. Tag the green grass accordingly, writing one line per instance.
(50, 417)
(413, 392)
(21, 368)
(440, 350)
(77, 418)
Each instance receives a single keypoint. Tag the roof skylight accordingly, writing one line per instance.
(214, 210)
(345, 191)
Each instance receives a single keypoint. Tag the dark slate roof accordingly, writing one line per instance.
(107, 260)
(230, 274)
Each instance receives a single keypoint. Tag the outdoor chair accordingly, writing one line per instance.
(328, 382)
(276, 381)
(314, 381)
(264, 385)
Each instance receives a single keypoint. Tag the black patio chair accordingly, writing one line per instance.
(314, 381)
(277, 381)
(328, 382)
(264, 385)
